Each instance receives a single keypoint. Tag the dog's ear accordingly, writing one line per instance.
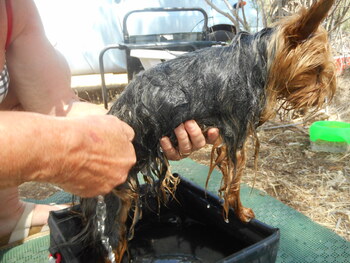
(310, 20)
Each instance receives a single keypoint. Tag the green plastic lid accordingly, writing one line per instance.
(332, 131)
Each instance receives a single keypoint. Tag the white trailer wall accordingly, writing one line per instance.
(80, 29)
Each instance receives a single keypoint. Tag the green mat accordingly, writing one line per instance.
(302, 241)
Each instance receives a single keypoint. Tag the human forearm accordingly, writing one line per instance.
(28, 142)
(79, 154)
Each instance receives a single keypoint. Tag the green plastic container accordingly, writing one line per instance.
(330, 136)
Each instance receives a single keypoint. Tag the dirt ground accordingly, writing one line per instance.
(315, 183)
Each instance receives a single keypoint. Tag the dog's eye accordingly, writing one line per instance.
(320, 69)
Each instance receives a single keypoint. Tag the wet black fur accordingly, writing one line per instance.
(220, 87)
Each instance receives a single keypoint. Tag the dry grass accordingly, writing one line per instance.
(315, 184)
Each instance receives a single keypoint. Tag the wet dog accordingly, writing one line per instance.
(235, 88)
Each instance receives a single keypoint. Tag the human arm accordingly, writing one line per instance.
(39, 75)
(46, 148)
(40, 80)
(65, 152)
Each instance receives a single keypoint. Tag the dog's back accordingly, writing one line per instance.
(218, 87)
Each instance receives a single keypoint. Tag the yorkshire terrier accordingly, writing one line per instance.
(235, 88)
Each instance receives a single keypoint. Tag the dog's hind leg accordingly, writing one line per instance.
(128, 200)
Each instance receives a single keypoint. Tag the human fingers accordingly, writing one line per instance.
(190, 138)
(212, 135)
(128, 131)
(183, 138)
(121, 151)
(170, 152)
(196, 135)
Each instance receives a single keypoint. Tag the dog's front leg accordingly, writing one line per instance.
(230, 189)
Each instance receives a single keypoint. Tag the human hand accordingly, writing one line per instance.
(98, 157)
(190, 138)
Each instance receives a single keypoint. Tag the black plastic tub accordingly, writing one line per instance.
(190, 229)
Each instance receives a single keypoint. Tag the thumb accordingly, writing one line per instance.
(128, 131)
